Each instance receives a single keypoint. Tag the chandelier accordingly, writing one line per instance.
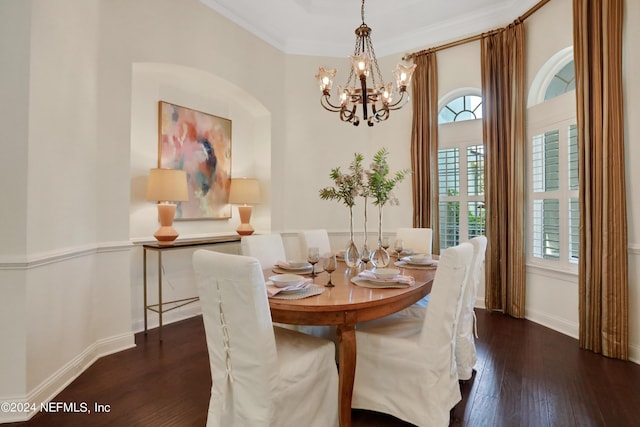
(376, 97)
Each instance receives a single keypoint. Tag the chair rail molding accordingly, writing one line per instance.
(63, 254)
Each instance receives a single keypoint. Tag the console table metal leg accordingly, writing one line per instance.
(144, 281)
(160, 295)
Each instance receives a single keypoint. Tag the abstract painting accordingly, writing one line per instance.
(200, 144)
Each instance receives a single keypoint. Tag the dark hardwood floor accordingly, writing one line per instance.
(526, 375)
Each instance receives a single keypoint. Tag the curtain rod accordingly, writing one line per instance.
(521, 18)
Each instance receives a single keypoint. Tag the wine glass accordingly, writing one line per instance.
(397, 247)
(330, 266)
(313, 256)
(384, 242)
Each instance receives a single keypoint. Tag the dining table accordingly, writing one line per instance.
(345, 305)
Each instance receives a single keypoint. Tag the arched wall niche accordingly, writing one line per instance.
(199, 90)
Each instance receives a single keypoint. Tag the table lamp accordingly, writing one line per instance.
(244, 191)
(167, 186)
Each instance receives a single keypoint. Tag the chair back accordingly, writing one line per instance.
(418, 239)
(240, 338)
(471, 288)
(439, 326)
(267, 248)
(465, 346)
(314, 238)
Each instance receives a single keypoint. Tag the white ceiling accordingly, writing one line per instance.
(326, 27)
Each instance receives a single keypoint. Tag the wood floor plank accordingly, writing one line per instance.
(526, 375)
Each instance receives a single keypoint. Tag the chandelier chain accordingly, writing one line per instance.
(362, 11)
(375, 63)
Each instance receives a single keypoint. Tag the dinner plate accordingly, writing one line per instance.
(429, 263)
(286, 280)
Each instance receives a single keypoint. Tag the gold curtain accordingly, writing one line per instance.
(603, 271)
(503, 94)
(424, 146)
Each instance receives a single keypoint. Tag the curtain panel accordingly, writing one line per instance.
(503, 94)
(424, 146)
(603, 268)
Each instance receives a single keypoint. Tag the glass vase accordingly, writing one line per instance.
(365, 253)
(380, 257)
(351, 254)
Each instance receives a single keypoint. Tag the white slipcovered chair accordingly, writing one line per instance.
(314, 238)
(406, 365)
(261, 375)
(418, 239)
(466, 356)
(465, 341)
(268, 248)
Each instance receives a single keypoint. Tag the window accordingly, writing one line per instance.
(466, 107)
(554, 214)
(555, 211)
(562, 82)
(461, 181)
(460, 167)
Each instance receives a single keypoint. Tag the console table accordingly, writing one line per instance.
(159, 249)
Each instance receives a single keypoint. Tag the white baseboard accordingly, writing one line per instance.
(634, 354)
(553, 322)
(53, 385)
(564, 327)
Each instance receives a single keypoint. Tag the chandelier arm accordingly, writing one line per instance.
(326, 103)
(383, 114)
(400, 102)
(350, 116)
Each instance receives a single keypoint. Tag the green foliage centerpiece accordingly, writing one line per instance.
(380, 189)
(376, 184)
(347, 187)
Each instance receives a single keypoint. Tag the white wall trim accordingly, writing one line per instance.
(53, 385)
(554, 273)
(64, 254)
(556, 323)
(634, 354)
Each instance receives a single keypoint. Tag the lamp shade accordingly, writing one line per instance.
(167, 185)
(244, 191)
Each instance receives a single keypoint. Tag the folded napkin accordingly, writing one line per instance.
(287, 266)
(274, 290)
(368, 274)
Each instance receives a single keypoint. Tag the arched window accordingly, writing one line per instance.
(461, 167)
(466, 107)
(554, 214)
(562, 82)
